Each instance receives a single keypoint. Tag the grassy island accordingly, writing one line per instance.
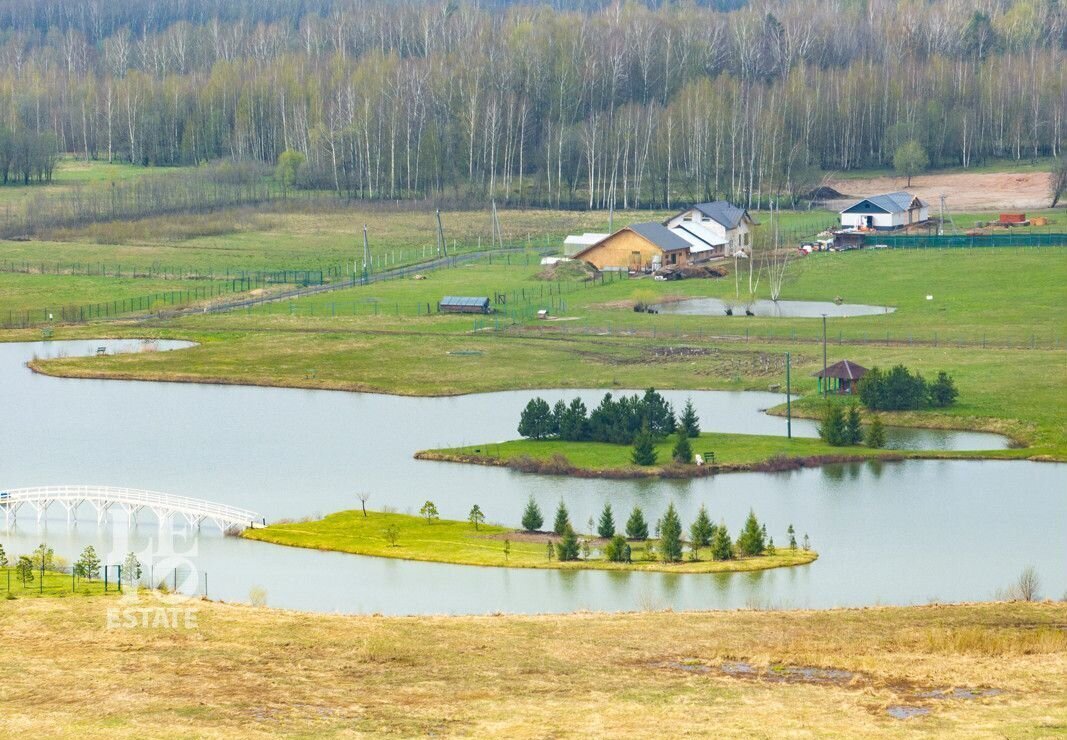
(733, 452)
(447, 541)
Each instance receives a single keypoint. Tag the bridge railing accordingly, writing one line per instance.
(130, 496)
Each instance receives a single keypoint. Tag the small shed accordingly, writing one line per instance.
(463, 304)
(841, 377)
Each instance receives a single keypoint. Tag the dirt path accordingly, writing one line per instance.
(963, 191)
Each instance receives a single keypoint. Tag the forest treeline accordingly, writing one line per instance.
(568, 104)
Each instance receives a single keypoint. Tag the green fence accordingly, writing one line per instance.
(919, 241)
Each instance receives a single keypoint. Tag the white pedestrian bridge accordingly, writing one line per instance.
(102, 499)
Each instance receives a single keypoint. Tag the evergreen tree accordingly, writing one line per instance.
(558, 412)
(807, 542)
(3, 557)
(563, 519)
(942, 391)
(792, 538)
(567, 548)
(88, 565)
(644, 452)
(43, 557)
(657, 414)
(853, 429)
(683, 451)
(832, 429)
(531, 517)
(606, 526)
(636, 526)
(550, 550)
(701, 530)
(670, 534)
(721, 546)
(876, 433)
(770, 546)
(574, 424)
(689, 422)
(536, 419)
(750, 542)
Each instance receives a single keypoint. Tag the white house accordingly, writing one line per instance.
(715, 228)
(886, 211)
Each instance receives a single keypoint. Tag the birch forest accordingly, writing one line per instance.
(564, 104)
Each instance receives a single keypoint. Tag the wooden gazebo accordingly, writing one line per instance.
(841, 377)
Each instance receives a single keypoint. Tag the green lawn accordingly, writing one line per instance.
(41, 294)
(53, 584)
(446, 541)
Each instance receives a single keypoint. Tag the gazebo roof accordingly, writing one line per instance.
(843, 370)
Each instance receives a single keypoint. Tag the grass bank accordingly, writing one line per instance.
(256, 672)
(459, 543)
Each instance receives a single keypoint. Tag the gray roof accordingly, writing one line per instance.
(844, 370)
(722, 211)
(460, 300)
(660, 235)
(897, 202)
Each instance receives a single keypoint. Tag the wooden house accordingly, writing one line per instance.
(637, 247)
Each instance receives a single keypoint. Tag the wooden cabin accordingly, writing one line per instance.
(637, 248)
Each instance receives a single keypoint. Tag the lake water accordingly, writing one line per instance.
(887, 533)
(763, 307)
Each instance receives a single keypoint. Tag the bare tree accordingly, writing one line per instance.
(363, 501)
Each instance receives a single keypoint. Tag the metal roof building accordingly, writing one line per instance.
(463, 304)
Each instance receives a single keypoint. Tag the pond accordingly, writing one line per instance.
(887, 533)
(763, 307)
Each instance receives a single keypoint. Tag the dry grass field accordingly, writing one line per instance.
(990, 670)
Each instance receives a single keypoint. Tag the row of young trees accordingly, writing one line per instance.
(610, 103)
(751, 541)
(44, 560)
(26, 156)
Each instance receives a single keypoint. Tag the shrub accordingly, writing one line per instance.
(636, 526)
(618, 550)
(683, 451)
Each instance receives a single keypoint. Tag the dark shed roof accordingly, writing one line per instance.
(660, 235)
(844, 370)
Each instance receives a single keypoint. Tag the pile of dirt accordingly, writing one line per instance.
(963, 191)
(568, 271)
(824, 192)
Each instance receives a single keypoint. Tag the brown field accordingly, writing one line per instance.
(964, 191)
(988, 670)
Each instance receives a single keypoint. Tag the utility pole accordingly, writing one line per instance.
(366, 257)
(823, 379)
(788, 401)
(442, 247)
